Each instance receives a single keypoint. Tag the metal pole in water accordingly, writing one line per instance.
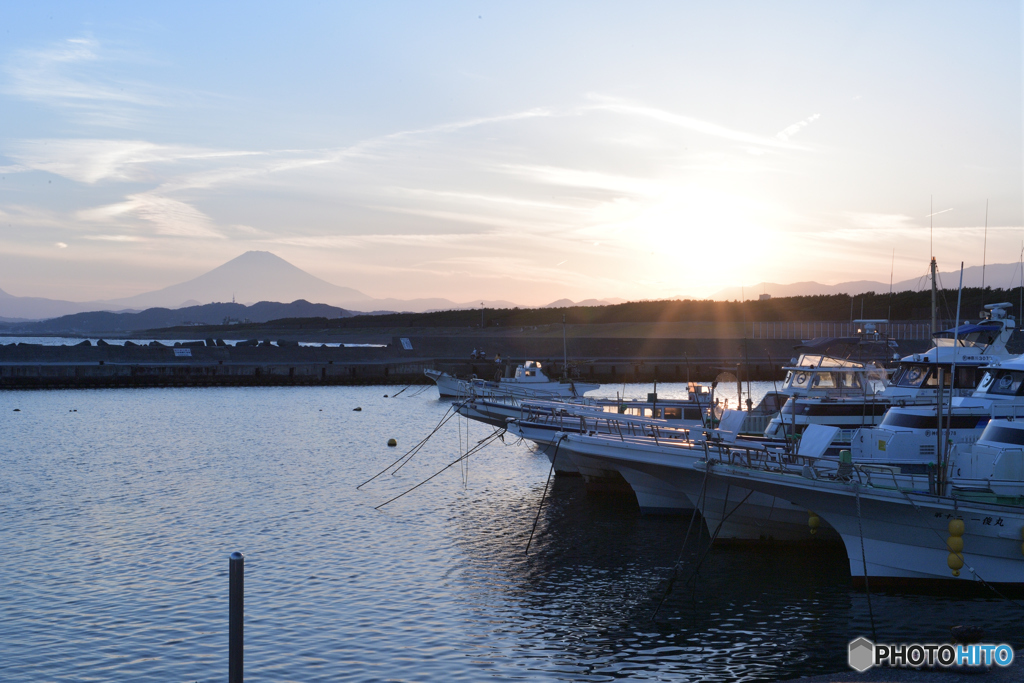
(236, 593)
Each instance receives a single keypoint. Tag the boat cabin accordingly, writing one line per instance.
(826, 375)
(528, 372)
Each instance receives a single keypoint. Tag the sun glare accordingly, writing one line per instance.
(697, 240)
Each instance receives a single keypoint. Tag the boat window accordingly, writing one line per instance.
(799, 379)
(1006, 383)
(1001, 434)
(986, 380)
(896, 418)
(933, 378)
(966, 377)
(691, 413)
(981, 338)
(850, 380)
(824, 380)
(673, 413)
(912, 376)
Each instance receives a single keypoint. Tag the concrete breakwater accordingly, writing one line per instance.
(36, 366)
(400, 362)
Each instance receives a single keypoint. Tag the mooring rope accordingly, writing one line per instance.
(415, 449)
(864, 560)
(682, 549)
(479, 446)
(551, 471)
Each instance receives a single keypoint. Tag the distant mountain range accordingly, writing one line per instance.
(106, 322)
(566, 303)
(263, 277)
(253, 276)
(997, 275)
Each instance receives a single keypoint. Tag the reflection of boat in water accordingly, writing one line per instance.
(966, 519)
(529, 380)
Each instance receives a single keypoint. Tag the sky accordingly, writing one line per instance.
(523, 151)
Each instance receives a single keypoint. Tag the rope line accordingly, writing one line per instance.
(415, 449)
(864, 560)
(682, 550)
(483, 443)
(540, 507)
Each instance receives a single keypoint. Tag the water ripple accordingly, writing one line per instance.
(118, 519)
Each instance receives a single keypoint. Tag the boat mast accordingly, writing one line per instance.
(934, 266)
(984, 254)
(565, 352)
(944, 463)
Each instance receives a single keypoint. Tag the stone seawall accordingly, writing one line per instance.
(594, 359)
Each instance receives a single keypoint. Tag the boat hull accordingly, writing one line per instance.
(903, 534)
(665, 481)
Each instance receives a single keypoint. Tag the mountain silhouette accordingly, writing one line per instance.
(253, 276)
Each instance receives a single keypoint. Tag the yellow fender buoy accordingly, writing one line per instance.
(813, 521)
(392, 442)
(955, 543)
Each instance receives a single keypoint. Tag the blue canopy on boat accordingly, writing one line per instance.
(969, 328)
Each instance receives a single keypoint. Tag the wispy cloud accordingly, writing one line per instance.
(878, 221)
(789, 131)
(70, 75)
(166, 216)
(114, 238)
(93, 160)
(697, 125)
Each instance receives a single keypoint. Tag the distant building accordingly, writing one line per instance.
(764, 297)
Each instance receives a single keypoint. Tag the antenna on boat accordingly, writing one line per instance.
(984, 253)
(565, 352)
(892, 267)
(933, 266)
(952, 384)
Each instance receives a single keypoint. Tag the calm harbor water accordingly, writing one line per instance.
(120, 507)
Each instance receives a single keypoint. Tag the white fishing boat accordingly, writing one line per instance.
(826, 393)
(529, 381)
(965, 524)
(662, 474)
(496, 410)
(543, 424)
(919, 432)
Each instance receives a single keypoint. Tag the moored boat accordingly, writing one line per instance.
(529, 381)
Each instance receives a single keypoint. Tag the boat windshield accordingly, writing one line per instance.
(920, 375)
(975, 336)
(1001, 434)
(817, 360)
(1002, 383)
